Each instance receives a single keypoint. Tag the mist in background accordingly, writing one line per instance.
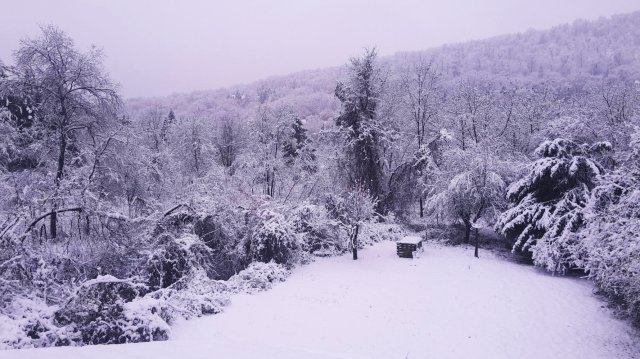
(156, 48)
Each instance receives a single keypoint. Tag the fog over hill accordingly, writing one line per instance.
(583, 51)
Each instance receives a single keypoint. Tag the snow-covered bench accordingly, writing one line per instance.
(409, 246)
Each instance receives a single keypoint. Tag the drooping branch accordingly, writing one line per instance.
(176, 208)
(74, 209)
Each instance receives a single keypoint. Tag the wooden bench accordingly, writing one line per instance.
(408, 246)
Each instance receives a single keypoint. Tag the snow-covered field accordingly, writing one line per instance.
(446, 304)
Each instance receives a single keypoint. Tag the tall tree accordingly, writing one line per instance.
(360, 98)
(297, 140)
(227, 142)
(423, 97)
(74, 95)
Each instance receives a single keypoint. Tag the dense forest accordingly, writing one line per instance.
(118, 217)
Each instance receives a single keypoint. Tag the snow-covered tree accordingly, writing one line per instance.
(550, 201)
(360, 97)
(227, 141)
(609, 245)
(351, 209)
(76, 100)
(470, 195)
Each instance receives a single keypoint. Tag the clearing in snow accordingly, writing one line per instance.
(445, 304)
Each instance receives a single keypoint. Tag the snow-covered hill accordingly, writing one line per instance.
(565, 54)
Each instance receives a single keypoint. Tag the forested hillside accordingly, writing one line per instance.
(118, 217)
(568, 54)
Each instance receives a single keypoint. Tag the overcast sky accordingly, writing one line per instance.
(157, 47)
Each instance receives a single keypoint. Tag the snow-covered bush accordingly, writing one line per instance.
(27, 272)
(373, 232)
(222, 228)
(258, 276)
(351, 207)
(29, 323)
(609, 247)
(175, 257)
(107, 310)
(320, 234)
(549, 203)
(192, 296)
(610, 244)
(273, 240)
(97, 313)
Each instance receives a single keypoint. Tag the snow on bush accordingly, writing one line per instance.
(192, 296)
(174, 257)
(321, 235)
(258, 276)
(97, 313)
(351, 207)
(609, 247)
(273, 240)
(29, 323)
(108, 310)
(373, 232)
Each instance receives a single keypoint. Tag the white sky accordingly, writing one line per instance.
(164, 46)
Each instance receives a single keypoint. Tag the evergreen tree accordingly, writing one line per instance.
(360, 98)
(549, 202)
(166, 124)
(297, 140)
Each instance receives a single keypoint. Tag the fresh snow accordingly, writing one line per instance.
(410, 240)
(446, 304)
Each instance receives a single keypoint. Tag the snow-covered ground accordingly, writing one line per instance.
(446, 304)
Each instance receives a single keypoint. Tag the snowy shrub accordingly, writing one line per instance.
(550, 203)
(258, 276)
(610, 244)
(28, 323)
(446, 234)
(144, 320)
(351, 207)
(174, 257)
(222, 231)
(321, 235)
(609, 247)
(192, 296)
(373, 232)
(97, 313)
(25, 271)
(273, 240)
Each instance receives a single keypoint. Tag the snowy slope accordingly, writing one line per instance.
(446, 304)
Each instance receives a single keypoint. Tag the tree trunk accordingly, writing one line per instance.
(53, 220)
(467, 231)
(477, 240)
(421, 207)
(354, 242)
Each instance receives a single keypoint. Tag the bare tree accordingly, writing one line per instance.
(227, 141)
(74, 95)
(423, 96)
